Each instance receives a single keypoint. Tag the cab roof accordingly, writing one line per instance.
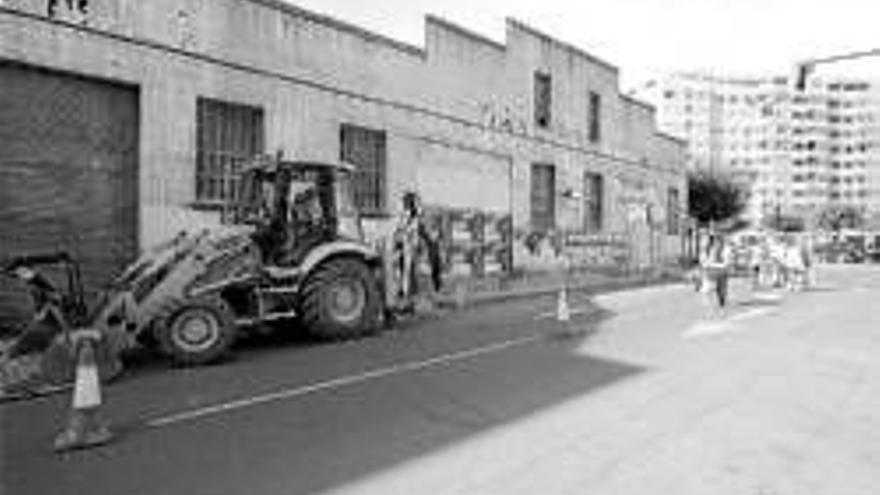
(271, 165)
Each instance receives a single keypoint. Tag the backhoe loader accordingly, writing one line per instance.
(289, 252)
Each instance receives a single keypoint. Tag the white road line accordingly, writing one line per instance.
(767, 296)
(715, 327)
(752, 313)
(703, 328)
(552, 314)
(342, 381)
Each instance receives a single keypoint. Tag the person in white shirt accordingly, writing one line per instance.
(716, 264)
(809, 264)
(795, 266)
(777, 255)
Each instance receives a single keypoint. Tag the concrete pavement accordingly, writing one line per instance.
(780, 398)
(782, 403)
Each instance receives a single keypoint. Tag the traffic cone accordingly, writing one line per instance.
(562, 311)
(84, 429)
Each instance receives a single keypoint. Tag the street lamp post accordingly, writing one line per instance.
(806, 67)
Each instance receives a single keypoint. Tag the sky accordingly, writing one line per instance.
(649, 37)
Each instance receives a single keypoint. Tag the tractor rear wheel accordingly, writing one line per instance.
(341, 300)
(197, 331)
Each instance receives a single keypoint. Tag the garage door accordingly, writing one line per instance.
(68, 168)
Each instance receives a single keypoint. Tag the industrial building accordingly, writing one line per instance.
(124, 122)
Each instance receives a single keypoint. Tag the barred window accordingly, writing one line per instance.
(673, 211)
(543, 197)
(227, 135)
(595, 124)
(366, 150)
(543, 99)
(593, 199)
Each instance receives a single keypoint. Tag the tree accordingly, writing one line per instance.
(785, 223)
(714, 198)
(838, 217)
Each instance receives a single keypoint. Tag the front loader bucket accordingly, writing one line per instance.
(53, 368)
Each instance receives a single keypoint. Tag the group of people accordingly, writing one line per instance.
(781, 262)
(785, 262)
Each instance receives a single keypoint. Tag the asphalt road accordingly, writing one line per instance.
(642, 392)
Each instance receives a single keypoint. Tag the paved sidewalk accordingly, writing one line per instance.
(787, 406)
(494, 289)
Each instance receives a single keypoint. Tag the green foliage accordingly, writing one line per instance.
(714, 197)
(785, 223)
(839, 217)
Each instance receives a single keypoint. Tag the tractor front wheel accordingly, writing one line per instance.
(197, 331)
(341, 300)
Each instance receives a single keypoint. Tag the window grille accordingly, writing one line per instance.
(593, 199)
(543, 200)
(366, 150)
(543, 99)
(228, 134)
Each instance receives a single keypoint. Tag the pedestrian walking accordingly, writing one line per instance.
(716, 264)
(756, 261)
(809, 268)
(779, 275)
(795, 266)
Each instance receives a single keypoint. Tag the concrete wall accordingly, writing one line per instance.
(458, 113)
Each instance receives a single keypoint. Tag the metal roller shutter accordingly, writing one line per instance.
(68, 174)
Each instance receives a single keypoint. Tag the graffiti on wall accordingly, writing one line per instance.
(503, 117)
(75, 10)
(610, 249)
(472, 243)
(185, 24)
(537, 250)
(641, 202)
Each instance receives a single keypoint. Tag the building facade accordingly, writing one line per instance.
(797, 152)
(853, 109)
(125, 122)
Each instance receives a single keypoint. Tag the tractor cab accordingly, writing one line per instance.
(296, 206)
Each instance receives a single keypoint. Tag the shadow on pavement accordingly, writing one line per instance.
(327, 440)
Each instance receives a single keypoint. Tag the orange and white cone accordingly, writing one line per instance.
(84, 429)
(563, 313)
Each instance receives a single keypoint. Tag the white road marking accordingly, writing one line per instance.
(552, 314)
(343, 381)
(702, 328)
(767, 296)
(752, 313)
(715, 327)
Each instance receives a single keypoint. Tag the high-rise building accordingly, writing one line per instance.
(853, 115)
(796, 152)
